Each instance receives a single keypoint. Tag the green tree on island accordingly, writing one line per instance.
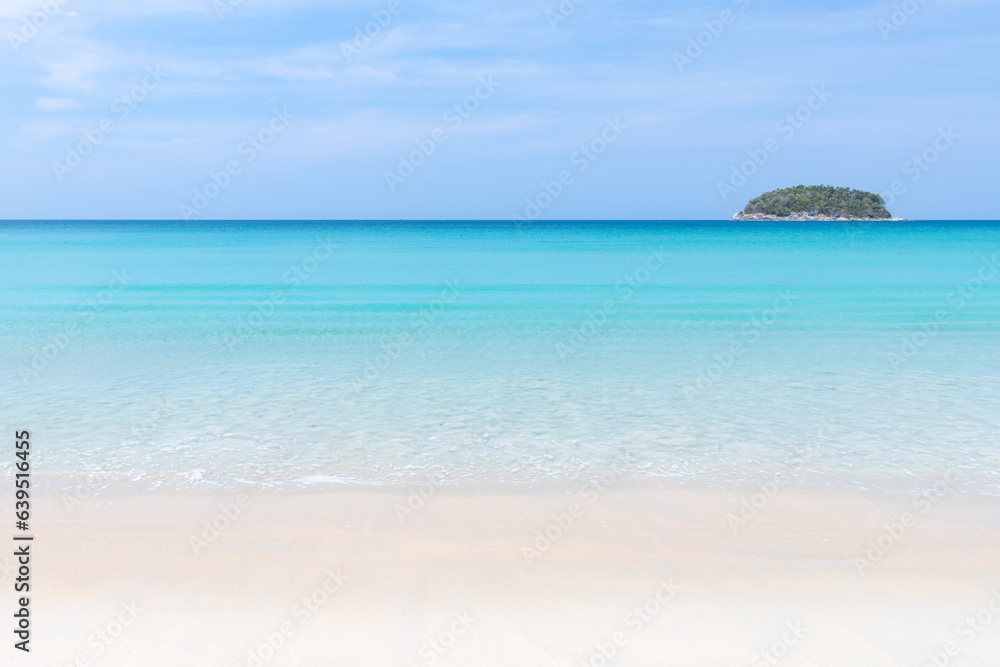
(815, 200)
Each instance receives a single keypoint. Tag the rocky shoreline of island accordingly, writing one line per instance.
(805, 217)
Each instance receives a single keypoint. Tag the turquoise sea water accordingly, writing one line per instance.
(295, 355)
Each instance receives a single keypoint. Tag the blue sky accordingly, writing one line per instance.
(603, 109)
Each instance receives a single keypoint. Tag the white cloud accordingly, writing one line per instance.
(370, 73)
(44, 130)
(124, 8)
(74, 75)
(665, 22)
(17, 8)
(282, 70)
(57, 103)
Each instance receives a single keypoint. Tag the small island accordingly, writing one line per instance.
(816, 202)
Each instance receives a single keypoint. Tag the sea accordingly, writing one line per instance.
(292, 355)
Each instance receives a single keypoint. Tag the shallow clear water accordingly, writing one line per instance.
(258, 355)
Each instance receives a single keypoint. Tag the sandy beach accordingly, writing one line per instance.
(392, 334)
(626, 575)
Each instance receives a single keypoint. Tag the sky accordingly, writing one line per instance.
(523, 110)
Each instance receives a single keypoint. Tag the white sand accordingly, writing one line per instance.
(455, 572)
